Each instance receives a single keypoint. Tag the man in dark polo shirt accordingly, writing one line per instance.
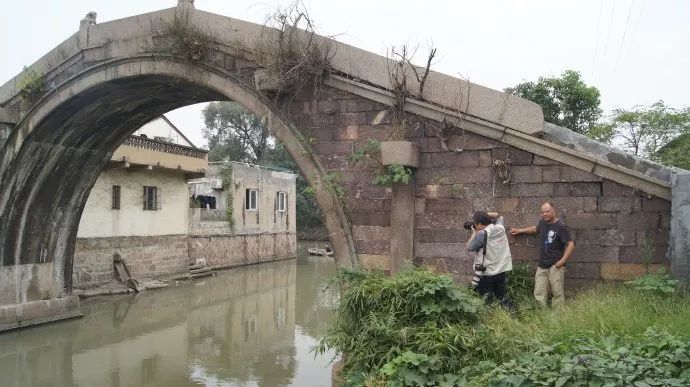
(555, 247)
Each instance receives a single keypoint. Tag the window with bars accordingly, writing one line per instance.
(152, 198)
(116, 197)
(282, 201)
(251, 200)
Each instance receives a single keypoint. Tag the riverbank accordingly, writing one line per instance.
(420, 328)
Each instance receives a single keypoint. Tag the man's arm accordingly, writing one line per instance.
(476, 241)
(569, 248)
(526, 230)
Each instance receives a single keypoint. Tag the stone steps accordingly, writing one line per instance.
(199, 269)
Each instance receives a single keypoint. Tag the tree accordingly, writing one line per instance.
(566, 101)
(676, 152)
(234, 133)
(644, 130)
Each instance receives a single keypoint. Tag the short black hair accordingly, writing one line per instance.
(481, 217)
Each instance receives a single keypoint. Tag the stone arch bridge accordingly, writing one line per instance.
(104, 82)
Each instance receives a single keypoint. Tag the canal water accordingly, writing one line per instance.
(249, 326)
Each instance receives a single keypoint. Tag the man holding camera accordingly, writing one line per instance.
(493, 259)
(555, 247)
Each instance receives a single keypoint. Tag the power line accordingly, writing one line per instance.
(625, 30)
(608, 35)
(634, 34)
(596, 42)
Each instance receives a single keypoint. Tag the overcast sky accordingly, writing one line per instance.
(634, 51)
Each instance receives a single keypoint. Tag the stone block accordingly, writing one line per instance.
(635, 254)
(626, 271)
(457, 206)
(374, 261)
(485, 159)
(491, 204)
(400, 152)
(516, 156)
(377, 117)
(381, 219)
(526, 174)
(539, 160)
(620, 204)
(590, 221)
(594, 254)
(606, 238)
(464, 159)
(655, 205)
(440, 250)
(659, 237)
(586, 189)
(371, 232)
(369, 205)
(571, 174)
(334, 147)
(638, 221)
(436, 235)
(551, 174)
(371, 246)
(440, 220)
(611, 188)
(583, 270)
(532, 189)
(427, 176)
(471, 141)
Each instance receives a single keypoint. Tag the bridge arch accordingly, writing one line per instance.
(59, 148)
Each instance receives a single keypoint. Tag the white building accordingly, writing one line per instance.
(138, 207)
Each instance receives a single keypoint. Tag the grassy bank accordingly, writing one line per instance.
(420, 328)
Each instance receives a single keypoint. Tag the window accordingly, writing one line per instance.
(282, 201)
(251, 199)
(152, 198)
(116, 197)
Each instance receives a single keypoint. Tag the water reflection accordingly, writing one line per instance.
(246, 326)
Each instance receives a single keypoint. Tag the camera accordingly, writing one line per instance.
(468, 225)
(479, 267)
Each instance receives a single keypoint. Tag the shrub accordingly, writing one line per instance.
(660, 283)
(520, 284)
(380, 318)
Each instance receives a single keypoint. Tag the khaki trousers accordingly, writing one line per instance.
(549, 279)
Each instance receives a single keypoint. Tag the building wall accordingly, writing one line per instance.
(609, 222)
(265, 219)
(100, 220)
(151, 243)
(145, 257)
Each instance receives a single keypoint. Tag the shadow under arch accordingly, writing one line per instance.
(54, 156)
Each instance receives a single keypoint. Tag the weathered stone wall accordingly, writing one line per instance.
(229, 250)
(146, 257)
(608, 221)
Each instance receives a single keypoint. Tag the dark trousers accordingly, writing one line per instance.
(494, 287)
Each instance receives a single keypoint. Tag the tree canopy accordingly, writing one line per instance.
(235, 134)
(566, 100)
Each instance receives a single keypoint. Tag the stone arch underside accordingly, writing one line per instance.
(60, 147)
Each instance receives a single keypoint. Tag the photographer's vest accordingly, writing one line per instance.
(497, 259)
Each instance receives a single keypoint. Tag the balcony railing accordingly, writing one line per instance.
(161, 146)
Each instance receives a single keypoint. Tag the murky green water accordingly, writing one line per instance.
(251, 326)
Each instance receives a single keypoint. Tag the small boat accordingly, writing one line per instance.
(320, 252)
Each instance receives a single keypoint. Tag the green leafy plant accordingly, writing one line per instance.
(226, 177)
(381, 318)
(655, 282)
(333, 182)
(393, 174)
(385, 174)
(31, 85)
(520, 284)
